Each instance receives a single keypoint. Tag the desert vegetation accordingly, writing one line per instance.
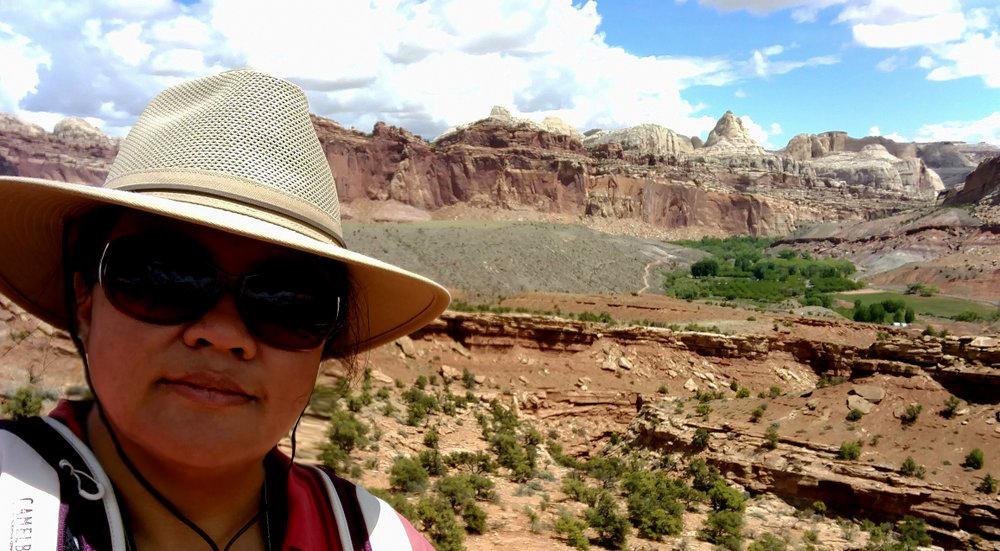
(743, 268)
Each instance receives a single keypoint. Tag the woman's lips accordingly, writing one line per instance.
(208, 391)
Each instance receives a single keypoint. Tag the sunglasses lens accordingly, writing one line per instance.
(158, 281)
(291, 308)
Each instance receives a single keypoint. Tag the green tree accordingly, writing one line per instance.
(705, 268)
(724, 528)
(612, 527)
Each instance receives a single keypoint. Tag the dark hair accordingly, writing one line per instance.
(87, 235)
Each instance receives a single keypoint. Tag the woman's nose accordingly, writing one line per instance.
(222, 328)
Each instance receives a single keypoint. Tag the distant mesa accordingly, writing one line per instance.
(502, 116)
(642, 140)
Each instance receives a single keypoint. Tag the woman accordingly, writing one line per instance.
(203, 283)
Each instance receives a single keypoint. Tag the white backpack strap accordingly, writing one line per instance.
(385, 529)
(338, 511)
(29, 498)
(105, 493)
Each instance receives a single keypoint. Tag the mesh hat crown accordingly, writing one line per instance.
(241, 135)
(235, 152)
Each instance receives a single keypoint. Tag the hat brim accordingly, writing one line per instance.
(392, 302)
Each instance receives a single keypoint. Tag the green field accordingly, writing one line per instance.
(937, 306)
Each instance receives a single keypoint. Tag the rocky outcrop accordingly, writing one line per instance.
(874, 166)
(730, 185)
(642, 141)
(501, 116)
(981, 186)
(730, 134)
(75, 152)
(951, 161)
(805, 471)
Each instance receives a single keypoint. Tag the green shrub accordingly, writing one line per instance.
(769, 542)
(344, 435)
(988, 485)
(432, 462)
(324, 398)
(663, 389)
(436, 520)
(703, 410)
(572, 528)
(407, 475)
(819, 507)
(431, 438)
(577, 490)
(771, 436)
(913, 533)
(758, 412)
(701, 438)
(724, 528)
(774, 391)
(911, 468)
(705, 268)
(468, 379)
(850, 450)
(475, 462)
(950, 407)
(724, 498)
(855, 414)
(475, 518)
(604, 517)
(24, 403)
(967, 316)
(974, 460)
(653, 505)
(910, 414)
(703, 476)
(421, 382)
(743, 392)
(382, 394)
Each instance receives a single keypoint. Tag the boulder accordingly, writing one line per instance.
(405, 345)
(690, 385)
(872, 393)
(449, 373)
(857, 402)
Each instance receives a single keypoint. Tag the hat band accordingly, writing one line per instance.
(234, 194)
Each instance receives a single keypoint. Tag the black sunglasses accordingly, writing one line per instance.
(168, 279)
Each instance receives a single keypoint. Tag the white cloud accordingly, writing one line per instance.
(775, 129)
(889, 64)
(932, 29)
(986, 129)
(183, 31)
(21, 61)
(874, 131)
(757, 132)
(926, 62)
(424, 65)
(740, 93)
(897, 137)
(977, 55)
(760, 63)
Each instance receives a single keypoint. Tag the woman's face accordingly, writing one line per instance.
(203, 394)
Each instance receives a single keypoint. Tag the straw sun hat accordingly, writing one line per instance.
(235, 152)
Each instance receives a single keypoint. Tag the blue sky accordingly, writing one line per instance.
(852, 95)
(908, 69)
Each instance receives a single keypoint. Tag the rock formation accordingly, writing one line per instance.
(647, 173)
(730, 134)
(874, 166)
(75, 152)
(981, 186)
(642, 141)
(952, 161)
